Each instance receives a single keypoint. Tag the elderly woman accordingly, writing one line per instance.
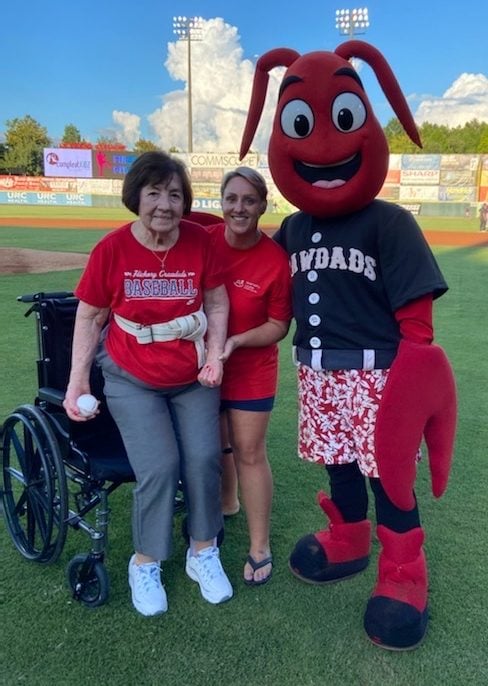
(149, 293)
(257, 277)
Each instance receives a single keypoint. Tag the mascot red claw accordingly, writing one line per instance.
(371, 382)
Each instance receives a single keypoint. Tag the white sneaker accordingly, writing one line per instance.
(206, 569)
(148, 594)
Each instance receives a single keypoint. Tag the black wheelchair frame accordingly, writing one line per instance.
(55, 471)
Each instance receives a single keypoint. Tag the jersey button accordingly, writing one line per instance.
(313, 298)
(315, 342)
(314, 319)
(312, 275)
(316, 237)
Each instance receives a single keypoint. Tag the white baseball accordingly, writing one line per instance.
(87, 404)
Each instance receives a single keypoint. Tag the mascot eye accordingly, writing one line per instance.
(348, 112)
(297, 119)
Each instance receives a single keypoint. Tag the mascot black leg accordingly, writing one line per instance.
(341, 550)
(396, 615)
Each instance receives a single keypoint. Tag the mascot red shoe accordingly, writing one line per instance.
(371, 382)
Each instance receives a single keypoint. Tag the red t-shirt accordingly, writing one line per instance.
(126, 277)
(258, 283)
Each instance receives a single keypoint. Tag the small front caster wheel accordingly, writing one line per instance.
(88, 580)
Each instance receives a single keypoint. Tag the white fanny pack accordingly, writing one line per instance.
(191, 327)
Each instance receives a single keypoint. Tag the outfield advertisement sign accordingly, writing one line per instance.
(208, 204)
(87, 177)
(61, 185)
(68, 162)
(221, 160)
(458, 177)
(421, 162)
(87, 164)
(45, 198)
(419, 177)
(111, 165)
(419, 193)
(457, 194)
(206, 175)
(460, 162)
(100, 186)
(393, 176)
(38, 183)
(389, 192)
(483, 184)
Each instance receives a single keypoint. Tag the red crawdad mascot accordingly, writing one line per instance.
(371, 383)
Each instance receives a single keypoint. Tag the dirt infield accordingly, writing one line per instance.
(24, 261)
(19, 260)
(60, 223)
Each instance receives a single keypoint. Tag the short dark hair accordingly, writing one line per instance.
(150, 169)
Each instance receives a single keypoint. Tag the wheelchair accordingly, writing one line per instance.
(55, 471)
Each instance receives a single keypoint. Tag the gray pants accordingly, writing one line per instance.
(169, 435)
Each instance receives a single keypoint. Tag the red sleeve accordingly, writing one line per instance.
(415, 320)
(213, 270)
(93, 287)
(279, 305)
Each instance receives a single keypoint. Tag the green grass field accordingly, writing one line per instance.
(268, 219)
(286, 633)
(44, 212)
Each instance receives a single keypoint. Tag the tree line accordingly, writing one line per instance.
(22, 152)
(25, 138)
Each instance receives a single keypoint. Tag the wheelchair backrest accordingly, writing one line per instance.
(99, 438)
(55, 314)
(56, 319)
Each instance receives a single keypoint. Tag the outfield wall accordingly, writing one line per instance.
(434, 185)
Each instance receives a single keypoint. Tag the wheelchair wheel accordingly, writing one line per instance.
(88, 580)
(34, 489)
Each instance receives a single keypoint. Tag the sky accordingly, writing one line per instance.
(116, 69)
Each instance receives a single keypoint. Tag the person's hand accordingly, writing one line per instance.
(69, 404)
(211, 373)
(229, 347)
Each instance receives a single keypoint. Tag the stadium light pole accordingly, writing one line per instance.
(352, 22)
(189, 29)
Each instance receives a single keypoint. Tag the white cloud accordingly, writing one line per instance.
(130, 125)
(466, 99)
(221, 89)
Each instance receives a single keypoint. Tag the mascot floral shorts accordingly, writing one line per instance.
(337, 416)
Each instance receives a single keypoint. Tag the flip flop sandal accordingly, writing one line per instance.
(258, 565)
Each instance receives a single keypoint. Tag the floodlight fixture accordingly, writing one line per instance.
(352, 22)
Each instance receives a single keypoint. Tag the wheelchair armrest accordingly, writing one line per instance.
(51, 395)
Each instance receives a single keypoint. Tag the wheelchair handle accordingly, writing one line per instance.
(35, 297)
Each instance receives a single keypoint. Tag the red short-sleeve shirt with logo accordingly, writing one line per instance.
(258, 283)
(123, 275)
